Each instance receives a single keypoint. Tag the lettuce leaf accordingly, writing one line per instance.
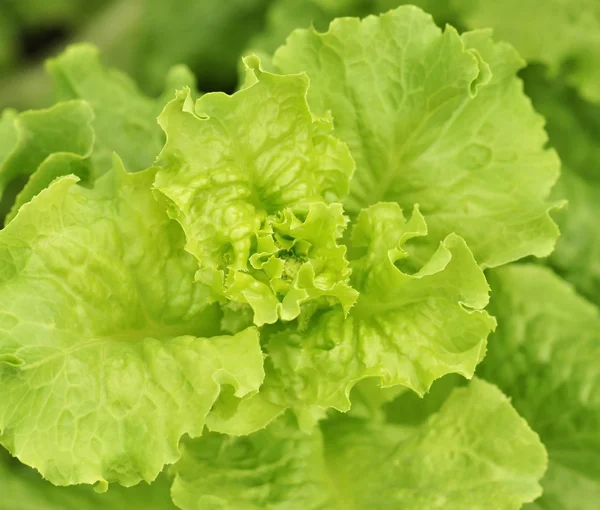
(104, 363)
(574, 126)
(124, 118)
(59, 138)
(568, 42)
(406, 328)
(253, 179)
(436, 119)
(544, 355)
(475, 453)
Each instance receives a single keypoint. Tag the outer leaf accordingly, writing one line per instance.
(574, 128)
(426, 122)
(475, 453)
(406, 329)
(545, 356)
(568, 41)
(24, 489)
(276, 468)
(247, 177)
(577, 256)
(34, 138)
(102, 364)
(125, 119)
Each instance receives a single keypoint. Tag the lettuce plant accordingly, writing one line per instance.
(239, 305)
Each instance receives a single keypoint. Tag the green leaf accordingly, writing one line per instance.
(475, 453)
(248, 177)
(406, 328)
(103, 364)
(60, 135)
(577, 255)
(24, 489)
(241, 416)
(568, 40)
(125, 119)
(544, 355)
(436, 119)
(574, 126)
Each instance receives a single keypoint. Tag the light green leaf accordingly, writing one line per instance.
(568, 39)
(125, 119)
(43, 138)
(406, 328)
(103, 364)
(295, 262)
(248, 177)
(24, 489)
(544, 355)
(278, 468)
(436, 119)
(241, 416)
(476, 453)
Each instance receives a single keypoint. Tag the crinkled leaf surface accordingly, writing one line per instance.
(103, 364)
(249, 177)
(568, 40)
(24, 489)
(475, 453)
(436, 119)
(406, 328)
(545, 356)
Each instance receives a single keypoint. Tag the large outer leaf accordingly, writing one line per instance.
(406, 328)
(568, 39)
(476, 453)
(428, 123)
(545, 356)
(24, 489)
(102, 362)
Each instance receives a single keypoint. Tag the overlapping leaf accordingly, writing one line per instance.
(476, 452)
(436, 119)
(249, 177)
(405, 329)
(58, 141)
(544, 355)
(124, 119)
(103, 360)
